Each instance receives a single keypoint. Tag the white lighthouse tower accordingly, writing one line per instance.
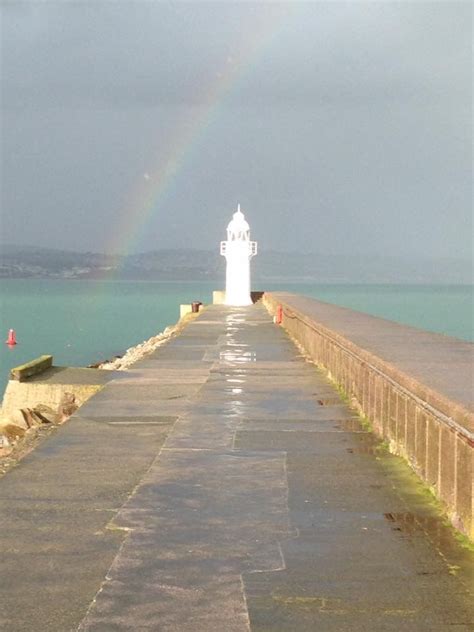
(238, 250)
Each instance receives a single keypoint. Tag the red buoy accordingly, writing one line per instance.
(11, 340)
(279, 315)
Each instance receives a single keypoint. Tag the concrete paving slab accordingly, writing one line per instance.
(221, 485)
(162, 363)
(145, 391)
(297, 425)
(165, 375)
(55, 508)
(237, 512)
(133, 408)
(74, 375)
(155, 420)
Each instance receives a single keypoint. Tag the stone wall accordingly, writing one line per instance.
(20, 395)
(415, 389)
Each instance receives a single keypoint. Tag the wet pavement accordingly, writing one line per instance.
(222, 485)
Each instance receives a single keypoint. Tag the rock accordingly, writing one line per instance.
(97, 365)
(138, 352)
(17, 418)
(37, 416)
(5, 446)
(4, 442)
(67, 406)
(47, 414)
(10, 434)
(31, 419)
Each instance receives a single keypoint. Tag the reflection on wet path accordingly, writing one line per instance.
(270, 507)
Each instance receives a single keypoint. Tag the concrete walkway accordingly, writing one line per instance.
(222, 485)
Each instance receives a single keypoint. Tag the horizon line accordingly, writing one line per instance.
(209, 250)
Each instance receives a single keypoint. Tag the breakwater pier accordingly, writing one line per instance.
(224, 483)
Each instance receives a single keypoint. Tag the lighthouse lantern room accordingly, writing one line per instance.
(238, 250)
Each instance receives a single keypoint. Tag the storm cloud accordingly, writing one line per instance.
(339, 127)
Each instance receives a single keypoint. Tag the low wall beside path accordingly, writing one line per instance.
(414, 387)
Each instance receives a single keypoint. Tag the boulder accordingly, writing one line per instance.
(11, 433)
(67, 406)
(32, 418)
(5, 446)
(17, 418)
(47, 414)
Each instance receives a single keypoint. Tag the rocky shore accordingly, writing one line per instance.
(136, 353)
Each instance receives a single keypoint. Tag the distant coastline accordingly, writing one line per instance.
(177, 265)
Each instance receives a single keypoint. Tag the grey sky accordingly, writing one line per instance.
(340, 127)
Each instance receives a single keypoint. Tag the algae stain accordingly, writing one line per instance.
(427, 513)
(464, 541)
(321, 604)
(399, 612)
(453, 569)
(406, 482)
(111, 526)
(337, 606)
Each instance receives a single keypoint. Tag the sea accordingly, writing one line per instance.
(84, 322)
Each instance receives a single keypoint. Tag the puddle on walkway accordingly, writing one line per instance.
(456, 554)
(236, 356)
(234, 319)
(412, 524)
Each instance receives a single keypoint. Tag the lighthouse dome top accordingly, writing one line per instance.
(238, 227)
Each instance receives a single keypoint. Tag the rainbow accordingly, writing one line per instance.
(146, 201)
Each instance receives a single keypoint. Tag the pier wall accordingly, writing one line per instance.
(21, 395)
(414, 387)
(41, 384)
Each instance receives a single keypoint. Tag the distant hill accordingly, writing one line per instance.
(200, 265)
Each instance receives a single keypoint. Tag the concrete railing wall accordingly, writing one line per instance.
(428, 422)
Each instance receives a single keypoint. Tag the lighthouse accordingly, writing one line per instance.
(238, 250)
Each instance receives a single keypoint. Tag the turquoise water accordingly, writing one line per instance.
(82, 322)
(444, 309)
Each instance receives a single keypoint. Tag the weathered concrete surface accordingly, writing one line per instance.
(416, 389)
(36, 366)
(74, 375)
(239, 494)
(49, 387)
